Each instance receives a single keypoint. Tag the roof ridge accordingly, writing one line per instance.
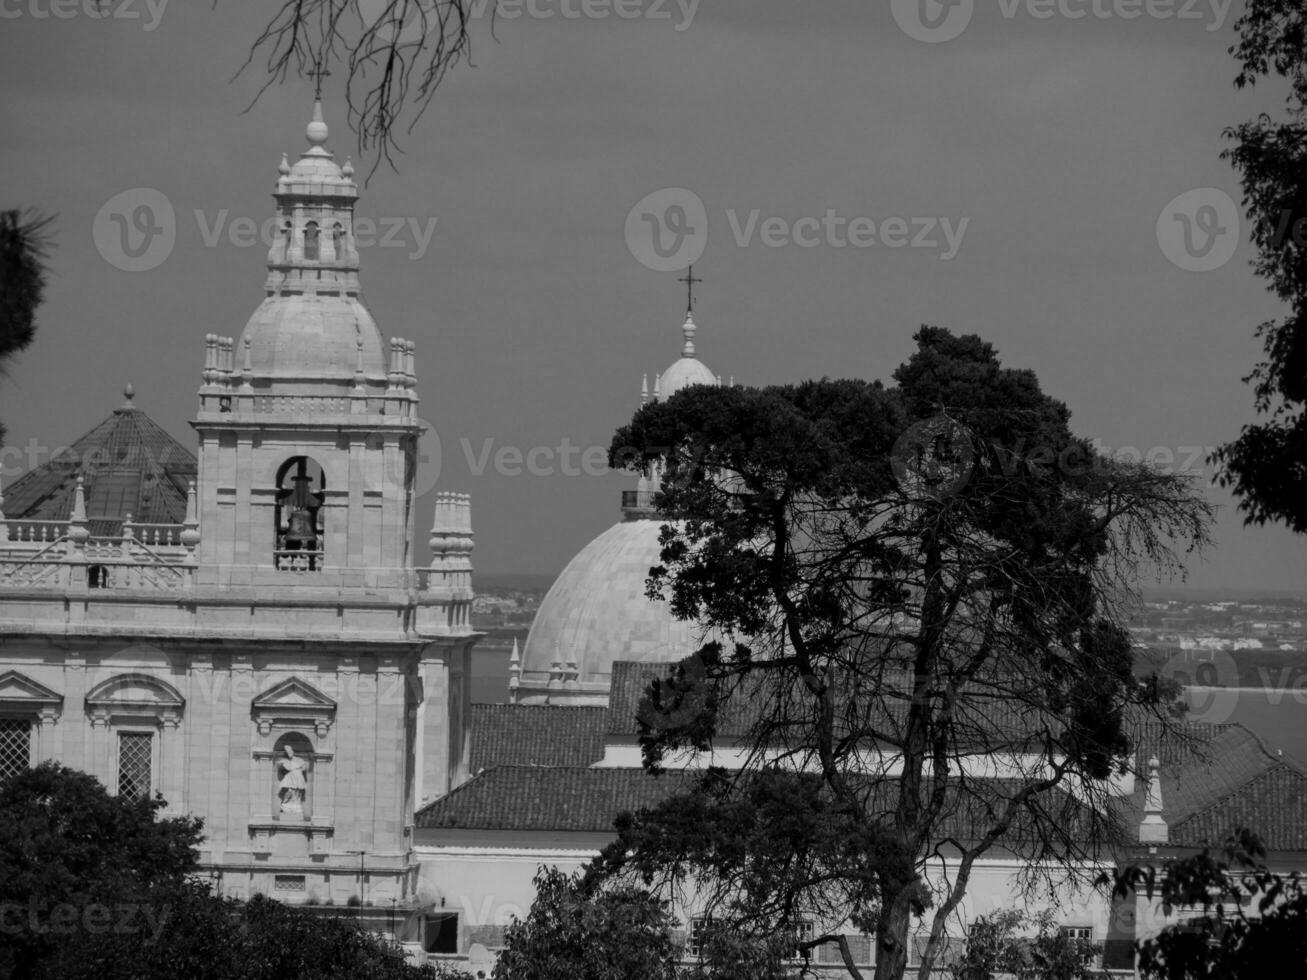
(1238, 790)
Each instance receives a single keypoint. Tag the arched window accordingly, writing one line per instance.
(311, 242)
(299, 542)
(338, 238)
(292, 770)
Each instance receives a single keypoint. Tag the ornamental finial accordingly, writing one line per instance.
(317, 128)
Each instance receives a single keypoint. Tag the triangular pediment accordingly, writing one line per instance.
(16, 687)
(293, 693)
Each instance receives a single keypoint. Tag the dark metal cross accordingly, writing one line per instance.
(317, 74)
(689, 280)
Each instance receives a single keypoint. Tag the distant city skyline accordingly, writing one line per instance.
(1037, 156)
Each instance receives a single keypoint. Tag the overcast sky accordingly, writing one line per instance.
(1029, 157)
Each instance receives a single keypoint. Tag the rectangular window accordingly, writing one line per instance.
(442, 933)
(698, 932)
(802, 933)
(135, 764)
(288, 883)
(1084, 934)
(15, 746)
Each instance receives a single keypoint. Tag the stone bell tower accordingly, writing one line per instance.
(343, 678)
(308, 421)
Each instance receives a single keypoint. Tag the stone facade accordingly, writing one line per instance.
(284, 609)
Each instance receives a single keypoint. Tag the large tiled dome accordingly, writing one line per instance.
(597, 611)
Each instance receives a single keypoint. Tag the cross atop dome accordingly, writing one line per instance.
(689, 280)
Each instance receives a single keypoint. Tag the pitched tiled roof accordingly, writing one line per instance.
(571, 799)
(1217, 778)
(985, 717)
(1273, 803)
(129, 465)
(526, 798)
(536, 735)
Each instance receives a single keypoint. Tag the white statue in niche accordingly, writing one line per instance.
(292, 785)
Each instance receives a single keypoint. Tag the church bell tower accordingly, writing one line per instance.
(308, 421)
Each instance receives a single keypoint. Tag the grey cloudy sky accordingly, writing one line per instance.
(1057, 139)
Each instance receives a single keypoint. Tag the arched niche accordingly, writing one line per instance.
(292, 777)
(298, 535)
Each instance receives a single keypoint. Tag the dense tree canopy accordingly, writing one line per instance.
(23, 253)
(1266, 465)
(97, 887)
(572, 933)
(1251, 921)
(899, 582)
(71, 853)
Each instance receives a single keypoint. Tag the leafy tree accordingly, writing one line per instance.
(996, 946)
(1266, 466)
(574, 932)
(1251, 922)
(67, 846)
(196, 935)
(98, 887)
(23, 253)
(924, 576)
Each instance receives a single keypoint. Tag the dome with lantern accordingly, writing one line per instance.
(597, 611)
(312, 334)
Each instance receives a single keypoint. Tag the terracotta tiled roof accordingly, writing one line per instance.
(129, 465)
(571, 799)
(1217, 778)
(526, 798)
(1273, 803)
(985, 718)
(536, 735)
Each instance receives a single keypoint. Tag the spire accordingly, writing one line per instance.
(514, 673)
(1153, 829)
